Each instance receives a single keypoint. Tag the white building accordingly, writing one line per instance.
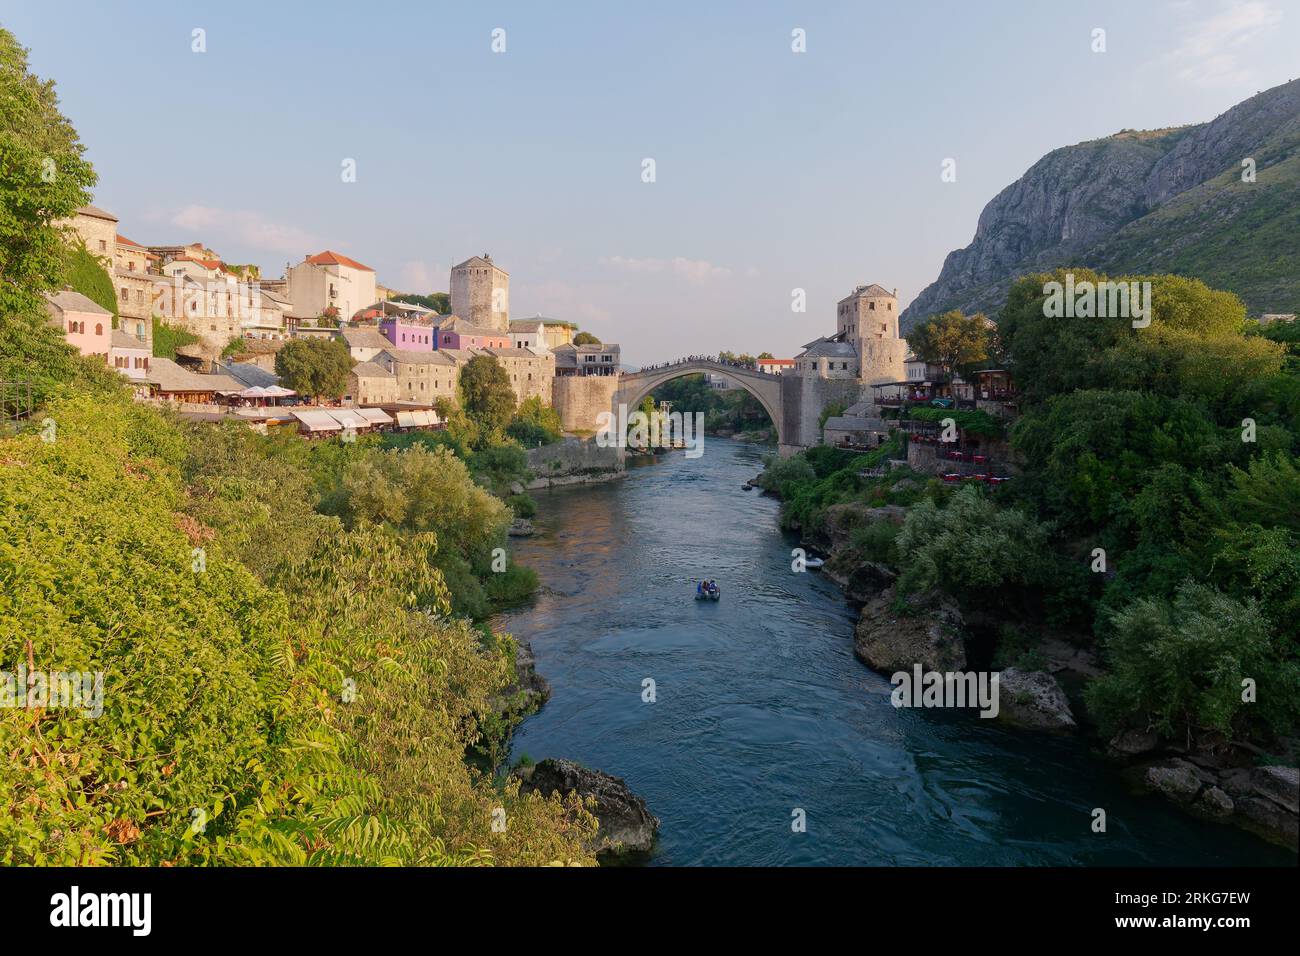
(327, 280)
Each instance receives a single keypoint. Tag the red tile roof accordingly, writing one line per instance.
(206, 263)
(127, 242)
(328, 258)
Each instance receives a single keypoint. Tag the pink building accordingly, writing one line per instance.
(456, 333)
(86, 326)
(410, 335)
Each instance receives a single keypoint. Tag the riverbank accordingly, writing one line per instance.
(1043, 675)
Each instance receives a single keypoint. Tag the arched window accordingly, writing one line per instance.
(99, 328)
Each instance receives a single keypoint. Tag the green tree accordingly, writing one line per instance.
(487, 396)
(440, 302)
(585, 338)
(535, 424)
(970, 545)
(46, 179)
(1177, 665)
(951, 340)
(314, 367)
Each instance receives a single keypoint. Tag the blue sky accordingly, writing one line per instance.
(774, 170)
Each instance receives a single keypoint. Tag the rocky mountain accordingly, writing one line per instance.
(1170, 200)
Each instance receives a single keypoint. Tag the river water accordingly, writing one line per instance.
(761, 709)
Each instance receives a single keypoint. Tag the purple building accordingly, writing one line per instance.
(407, 333)
(456, 333)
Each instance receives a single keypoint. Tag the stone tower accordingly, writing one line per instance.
(868, 317)
(480, 293)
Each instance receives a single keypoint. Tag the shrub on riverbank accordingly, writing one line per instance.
(291, 692)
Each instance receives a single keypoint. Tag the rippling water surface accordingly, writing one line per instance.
(762, 707)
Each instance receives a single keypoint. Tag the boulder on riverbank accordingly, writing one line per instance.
(1263, 800)
(521, 528)
(1033, 699)
(626, 825)
(928, 631)
(528, 692)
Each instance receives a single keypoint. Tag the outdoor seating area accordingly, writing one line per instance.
(328, 422)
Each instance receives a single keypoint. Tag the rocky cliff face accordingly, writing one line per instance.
(1102, 204)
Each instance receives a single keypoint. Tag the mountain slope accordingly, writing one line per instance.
(1138, 202)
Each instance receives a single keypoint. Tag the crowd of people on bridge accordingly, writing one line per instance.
(711, 359)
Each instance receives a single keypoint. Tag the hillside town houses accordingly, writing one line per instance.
(406, 356)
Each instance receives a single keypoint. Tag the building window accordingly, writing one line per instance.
(103, 246)
(871, 306)
(99, 328)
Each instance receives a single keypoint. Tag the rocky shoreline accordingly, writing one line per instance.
(626, 829)
(1212, 782)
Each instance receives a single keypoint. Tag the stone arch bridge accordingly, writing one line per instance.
(635, 386)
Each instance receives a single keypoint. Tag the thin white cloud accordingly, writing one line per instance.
(246, 227)
(693, 270)
(1212, 51)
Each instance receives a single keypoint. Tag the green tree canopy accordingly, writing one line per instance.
(46, 179)
(951, 340)
(535, 424)
(585, 338)
(314, 367)
(440, 302)
(487, 396)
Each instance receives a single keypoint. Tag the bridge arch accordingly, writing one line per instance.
(635, 386)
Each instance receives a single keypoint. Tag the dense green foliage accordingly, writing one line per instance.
(317, 368)
(487, 397)
(225, 702)
(1167, 453)
(168, 338)
(46, 179)
(86, 274)
(440, 302)
(585, 338)
(951, 340)
(284, 675)
(535, 424)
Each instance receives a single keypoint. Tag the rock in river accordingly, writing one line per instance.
(928, 632)
(1033, 699)
(626, 824)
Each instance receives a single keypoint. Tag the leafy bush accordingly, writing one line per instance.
(535, 424)
(1177, 665)
(522, 505)
(970, 545)
(168, 338)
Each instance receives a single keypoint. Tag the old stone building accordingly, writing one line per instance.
(370, 383)
(601, 359)
(421, 376)
(133, 281)
(540, 332)
(531, 373)
(98, 231)
(480, 293)
(865, 350)
(868, 319)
